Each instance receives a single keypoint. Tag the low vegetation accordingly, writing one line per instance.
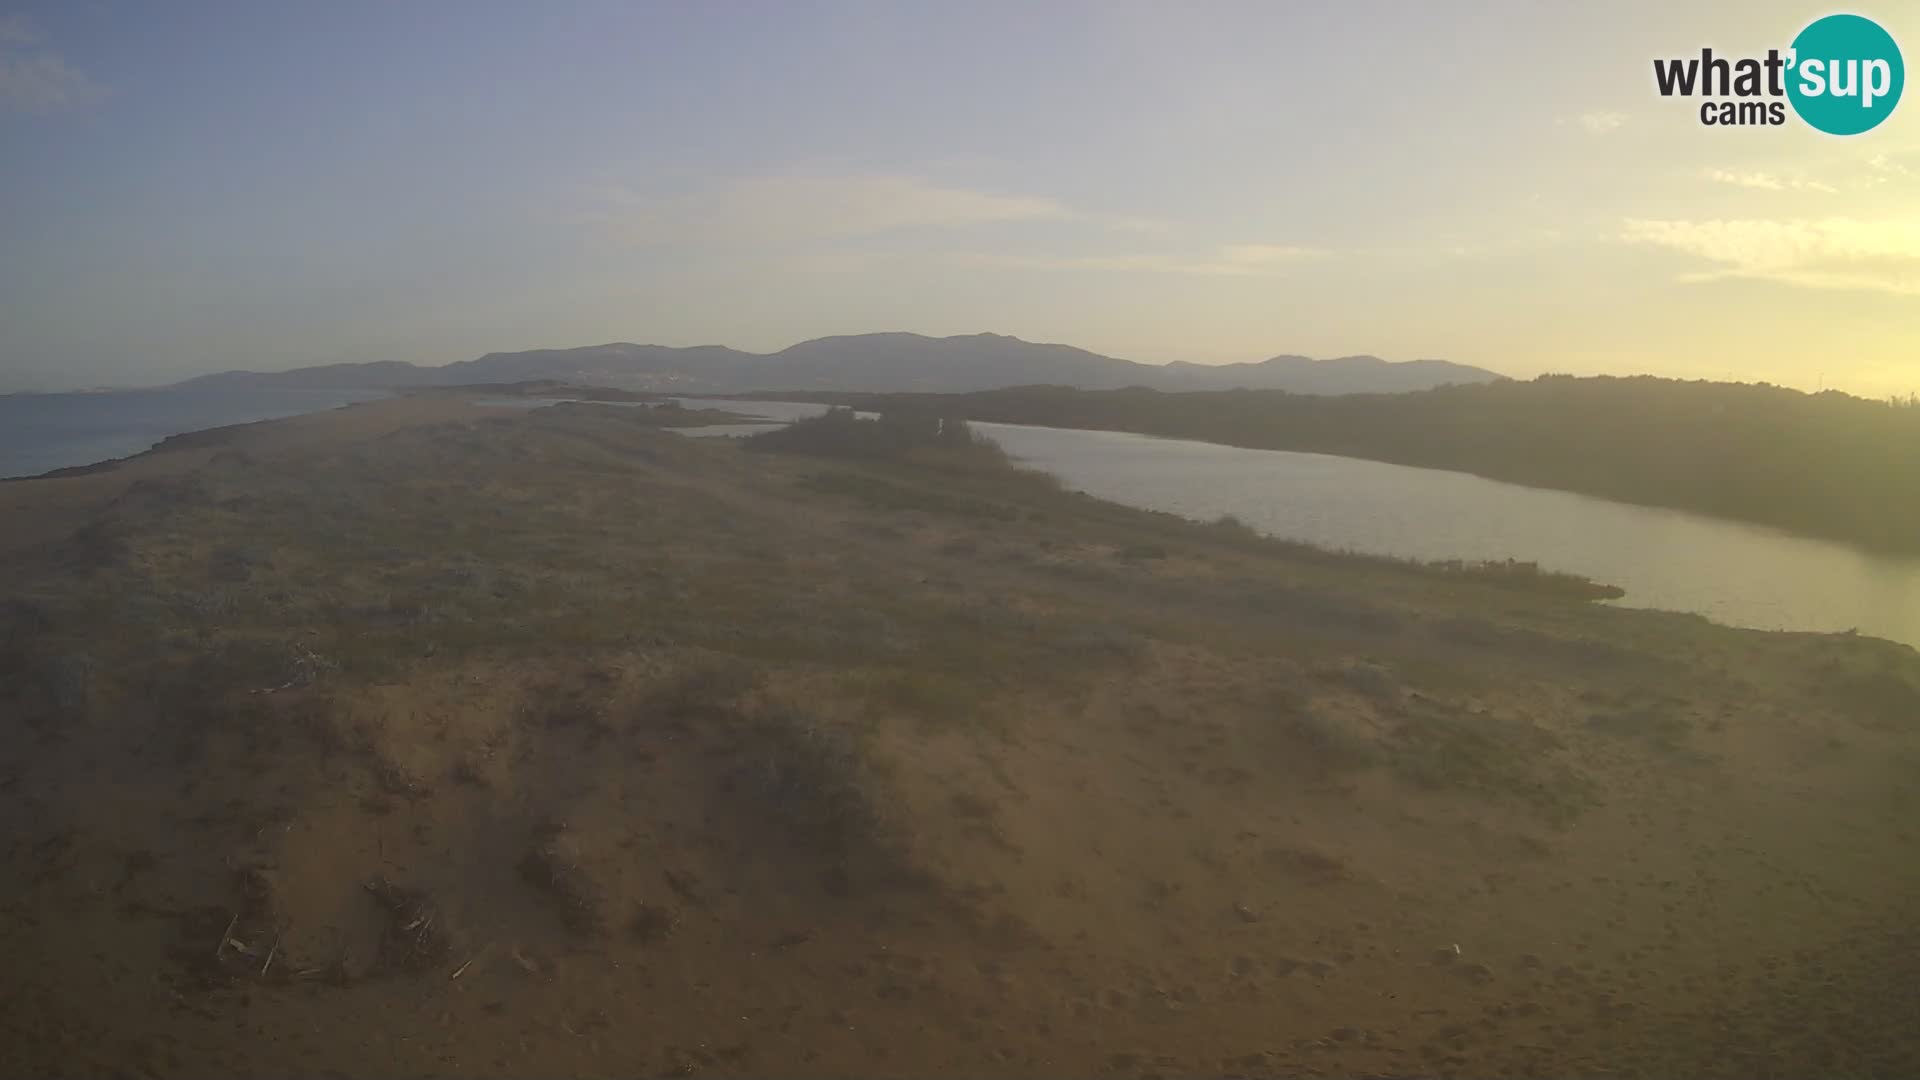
(859, 750)
(892, 436)
(814, 780)
(1824, 464)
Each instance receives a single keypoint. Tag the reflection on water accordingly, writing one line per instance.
(783, 411)
(772, 410)
(1743, 575)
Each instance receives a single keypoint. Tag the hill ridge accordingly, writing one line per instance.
(881, 361)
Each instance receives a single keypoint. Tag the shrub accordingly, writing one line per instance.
(816, 779)
(1529, 577)
(414, 936)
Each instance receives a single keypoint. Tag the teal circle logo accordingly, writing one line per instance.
(1846, 74)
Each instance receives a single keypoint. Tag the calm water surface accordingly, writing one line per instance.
(39, 432)
(1742, 575)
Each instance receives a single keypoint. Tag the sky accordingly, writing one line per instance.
(194, 187)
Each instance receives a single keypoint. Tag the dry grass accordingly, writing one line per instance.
(415, 937)
(555, 868)
(1168, 787)
(815, 780)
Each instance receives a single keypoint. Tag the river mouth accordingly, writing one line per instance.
(1731, 572)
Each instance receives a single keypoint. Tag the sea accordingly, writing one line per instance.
(42, 432)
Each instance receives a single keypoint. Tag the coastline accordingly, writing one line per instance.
(202, 438)
(1659, 585)
(1459, 440)
(86, 428)
(846, 743)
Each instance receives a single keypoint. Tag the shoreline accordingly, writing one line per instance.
(1596, 586)
(198, 439)
(189, 427)
(1113, 411)
(848, 741)
(211, 435)
(869, 401)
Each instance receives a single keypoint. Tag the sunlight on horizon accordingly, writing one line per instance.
(1142, 181)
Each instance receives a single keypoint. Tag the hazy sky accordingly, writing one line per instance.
(193, 187)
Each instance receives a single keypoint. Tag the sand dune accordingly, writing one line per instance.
(418, 738)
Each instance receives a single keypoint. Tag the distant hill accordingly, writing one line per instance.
(1820, 464)
(869, 362)
(379, 375)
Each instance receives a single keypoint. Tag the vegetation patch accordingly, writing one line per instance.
(1881, 696)
(1823, 464)
(1527, 577)
(1659, 729)
(886, 495)
(817, 781)
(932, 696)
(700, 688)
(1332, 744)
(555, 868)
(415, 936)
(1449, 748)
(890, 437)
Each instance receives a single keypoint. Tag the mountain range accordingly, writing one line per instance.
(866, 362)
